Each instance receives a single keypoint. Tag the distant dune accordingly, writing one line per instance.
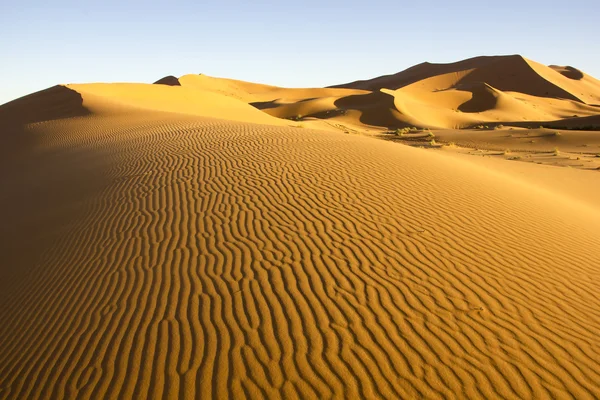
(499, 90)
(496, 90)
(210, 238)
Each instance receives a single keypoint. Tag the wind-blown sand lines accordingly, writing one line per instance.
(187, 257)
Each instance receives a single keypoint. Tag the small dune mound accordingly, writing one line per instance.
(569, 72)
(169, 81)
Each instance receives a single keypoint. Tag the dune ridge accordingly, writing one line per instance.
(170, 242)
(510, 91)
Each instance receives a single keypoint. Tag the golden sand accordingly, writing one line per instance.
(175, 242)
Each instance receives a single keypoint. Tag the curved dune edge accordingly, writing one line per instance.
(56, 102)
(158, 255)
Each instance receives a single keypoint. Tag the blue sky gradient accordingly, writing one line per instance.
(280, 43)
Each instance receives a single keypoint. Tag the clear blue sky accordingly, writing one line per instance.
(309, 43)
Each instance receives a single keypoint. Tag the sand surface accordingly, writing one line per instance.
(172, 241)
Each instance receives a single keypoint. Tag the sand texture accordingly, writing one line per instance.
(173, 241)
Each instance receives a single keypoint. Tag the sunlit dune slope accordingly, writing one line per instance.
(165, 98)
(256, 92)
(152, 247)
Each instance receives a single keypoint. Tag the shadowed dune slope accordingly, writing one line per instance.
(57, 102)
(169, 81)
(148, 254)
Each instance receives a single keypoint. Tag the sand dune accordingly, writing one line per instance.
(507, 73)
(508, 90)
(107, 98)
(164, 241)
(499, 90)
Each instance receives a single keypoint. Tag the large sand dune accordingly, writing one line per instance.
(508, 90)
(172, 241)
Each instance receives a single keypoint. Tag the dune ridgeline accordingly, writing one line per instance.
(211, 238)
